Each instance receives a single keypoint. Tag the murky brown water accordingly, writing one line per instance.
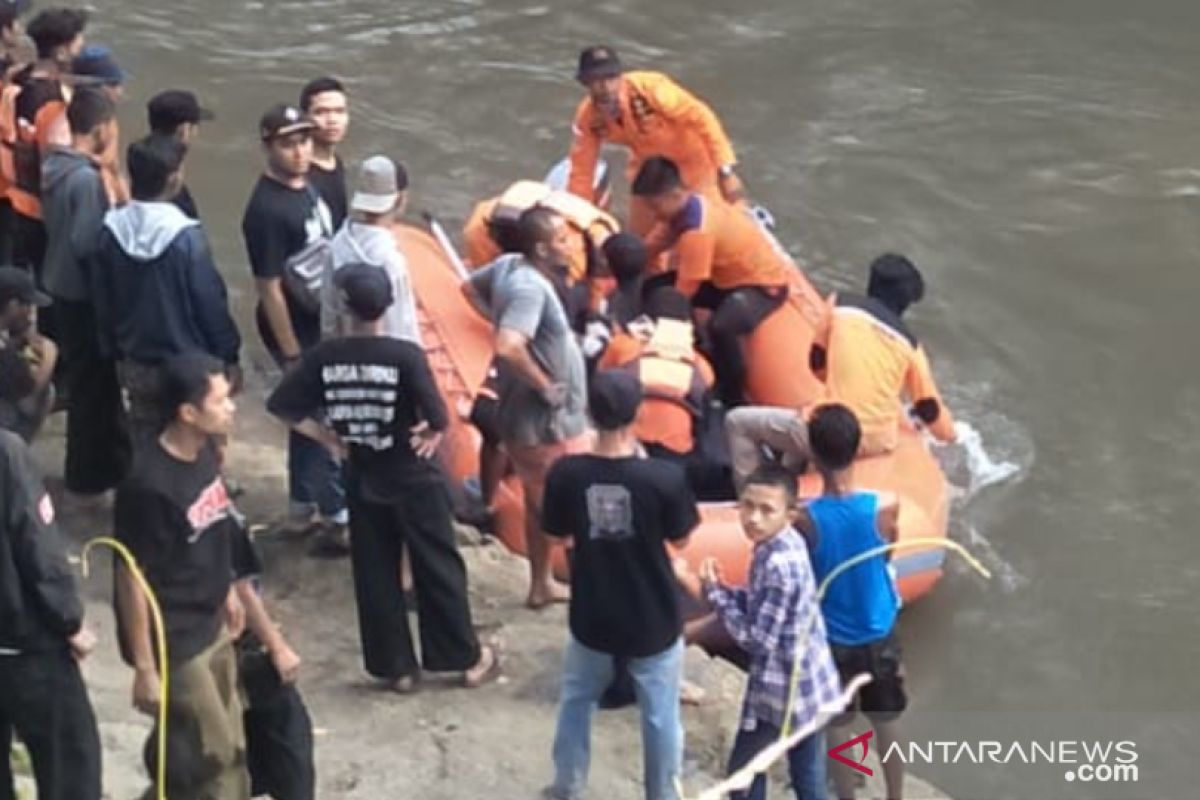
(1038, 160)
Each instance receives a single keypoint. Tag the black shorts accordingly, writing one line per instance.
(485, 411)
(884, 696)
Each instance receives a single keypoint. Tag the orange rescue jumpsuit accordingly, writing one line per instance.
(871, 358)
(657, 117)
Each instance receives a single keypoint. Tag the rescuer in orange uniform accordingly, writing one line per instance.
(871, 360)
(651, 115)
(724, 262)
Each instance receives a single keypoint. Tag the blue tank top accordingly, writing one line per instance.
(861, 604)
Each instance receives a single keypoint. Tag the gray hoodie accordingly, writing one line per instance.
(73, 207)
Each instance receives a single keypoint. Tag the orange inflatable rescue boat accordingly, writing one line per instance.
(459, 344)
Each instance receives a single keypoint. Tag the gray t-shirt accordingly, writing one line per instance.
(523, 300)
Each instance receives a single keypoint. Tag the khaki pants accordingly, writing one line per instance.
(206, 743)
(750, 428)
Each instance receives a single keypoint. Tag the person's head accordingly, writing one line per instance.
(626, 257)
(177, 113)
(324, 101)
(667, 302)
(11, 29)
(155, 166)
(545, 237)
(600, 72)
(194, 394)
(92, 117)
(658, 183)
(96, 66)
(614, 397)
(767, 503)
(366, 291)
(381, 190)
(833, 437)
(18, 299)
(57, 33)
(896, 282)
(286, 134)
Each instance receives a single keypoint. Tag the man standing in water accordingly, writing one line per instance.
(651, 115)
(285, 216)
(324, 101)
(542, 378)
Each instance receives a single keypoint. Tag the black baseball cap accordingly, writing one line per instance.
(598, 61)
(168, 110)
(17, 284)
(366, 290)
(614, 396)
(284, 120)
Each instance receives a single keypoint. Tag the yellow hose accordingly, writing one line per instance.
(160, 637)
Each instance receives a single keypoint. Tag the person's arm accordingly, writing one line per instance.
(513, 347)
(42, 370)
(680, 515)
(297, 400)
(584, 154)
(695, 250)
(807, 527)
(135, 517)
(477, 289)
(208, 290)
(927, 401)
(39, 552)
(517, 319)
(279, 319)
(285, 659)
(757, 625)
(682, 107)
(887, 517)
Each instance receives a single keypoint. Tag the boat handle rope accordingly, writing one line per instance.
(741, 779)
(160, 643)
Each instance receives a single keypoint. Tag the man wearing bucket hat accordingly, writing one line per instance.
(367, 237)
(651, 115)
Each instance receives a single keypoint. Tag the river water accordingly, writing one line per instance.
(1038, 160)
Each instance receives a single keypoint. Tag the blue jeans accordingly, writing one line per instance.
(314, 478)
(806, 763)
(656, 678)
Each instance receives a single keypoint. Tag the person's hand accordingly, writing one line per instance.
(732, 188)
(235, 614)
(555, 395)
(683, 571)
(424, 440)
(82, 643)
(711, 573)
(146, 690)
(286, 662)
(237, 378)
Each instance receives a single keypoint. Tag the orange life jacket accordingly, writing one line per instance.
(24, 141)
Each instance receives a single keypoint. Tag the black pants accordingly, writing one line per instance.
(7, 234)
(98, 448)
(279, 740)
(419, 518)
(736, 313)
(44, 701)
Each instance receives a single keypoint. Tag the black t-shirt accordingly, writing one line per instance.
(621, 511)
(331, 184)
(184, 202)
(372, 389)
(280, 222)
(179, 523)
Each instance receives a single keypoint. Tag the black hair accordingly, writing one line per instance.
(506, 233)
(186, 380)
(626, 256)
(833, 436)
(657, 176)
(535, 226)
(776, 476)
(90, 108)
(151, 162)
(8, 16)
(896, 282)
(667, 302)
(56, 27)
(319, 86)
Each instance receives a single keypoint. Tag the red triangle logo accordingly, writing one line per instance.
(836, 753)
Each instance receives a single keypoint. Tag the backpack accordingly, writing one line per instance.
(306, 272)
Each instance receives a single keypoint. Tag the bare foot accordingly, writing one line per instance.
(487, 670)
(547, 594)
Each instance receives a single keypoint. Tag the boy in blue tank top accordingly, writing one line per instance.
(860, 606)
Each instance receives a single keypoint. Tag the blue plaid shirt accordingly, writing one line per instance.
(767, 619)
